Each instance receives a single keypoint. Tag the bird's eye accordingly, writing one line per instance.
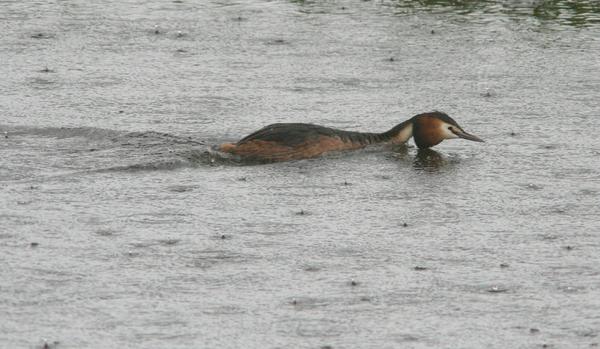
(450, 128)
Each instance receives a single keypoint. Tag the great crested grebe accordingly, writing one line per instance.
(293, 141)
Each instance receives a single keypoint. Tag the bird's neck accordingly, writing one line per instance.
(399, 134)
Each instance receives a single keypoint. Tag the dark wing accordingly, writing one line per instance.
(290, 134)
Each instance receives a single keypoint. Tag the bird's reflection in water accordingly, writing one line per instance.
(399, 151)
(429, 160)
(424, 159)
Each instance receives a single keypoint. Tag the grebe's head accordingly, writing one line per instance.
(430, 129)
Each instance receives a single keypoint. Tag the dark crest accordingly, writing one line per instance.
(440, 115)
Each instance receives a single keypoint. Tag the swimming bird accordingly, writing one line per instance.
(293, 141)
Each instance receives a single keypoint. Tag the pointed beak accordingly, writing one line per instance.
(463, 134)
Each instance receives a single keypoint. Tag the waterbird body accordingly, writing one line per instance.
(293, 141)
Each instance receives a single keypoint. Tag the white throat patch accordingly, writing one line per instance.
(404, 134)
(446, 131)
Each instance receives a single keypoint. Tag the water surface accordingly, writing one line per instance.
(119, 230)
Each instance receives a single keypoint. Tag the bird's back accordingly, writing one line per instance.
(291, 134)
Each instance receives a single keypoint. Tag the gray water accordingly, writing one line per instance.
(119, 228)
